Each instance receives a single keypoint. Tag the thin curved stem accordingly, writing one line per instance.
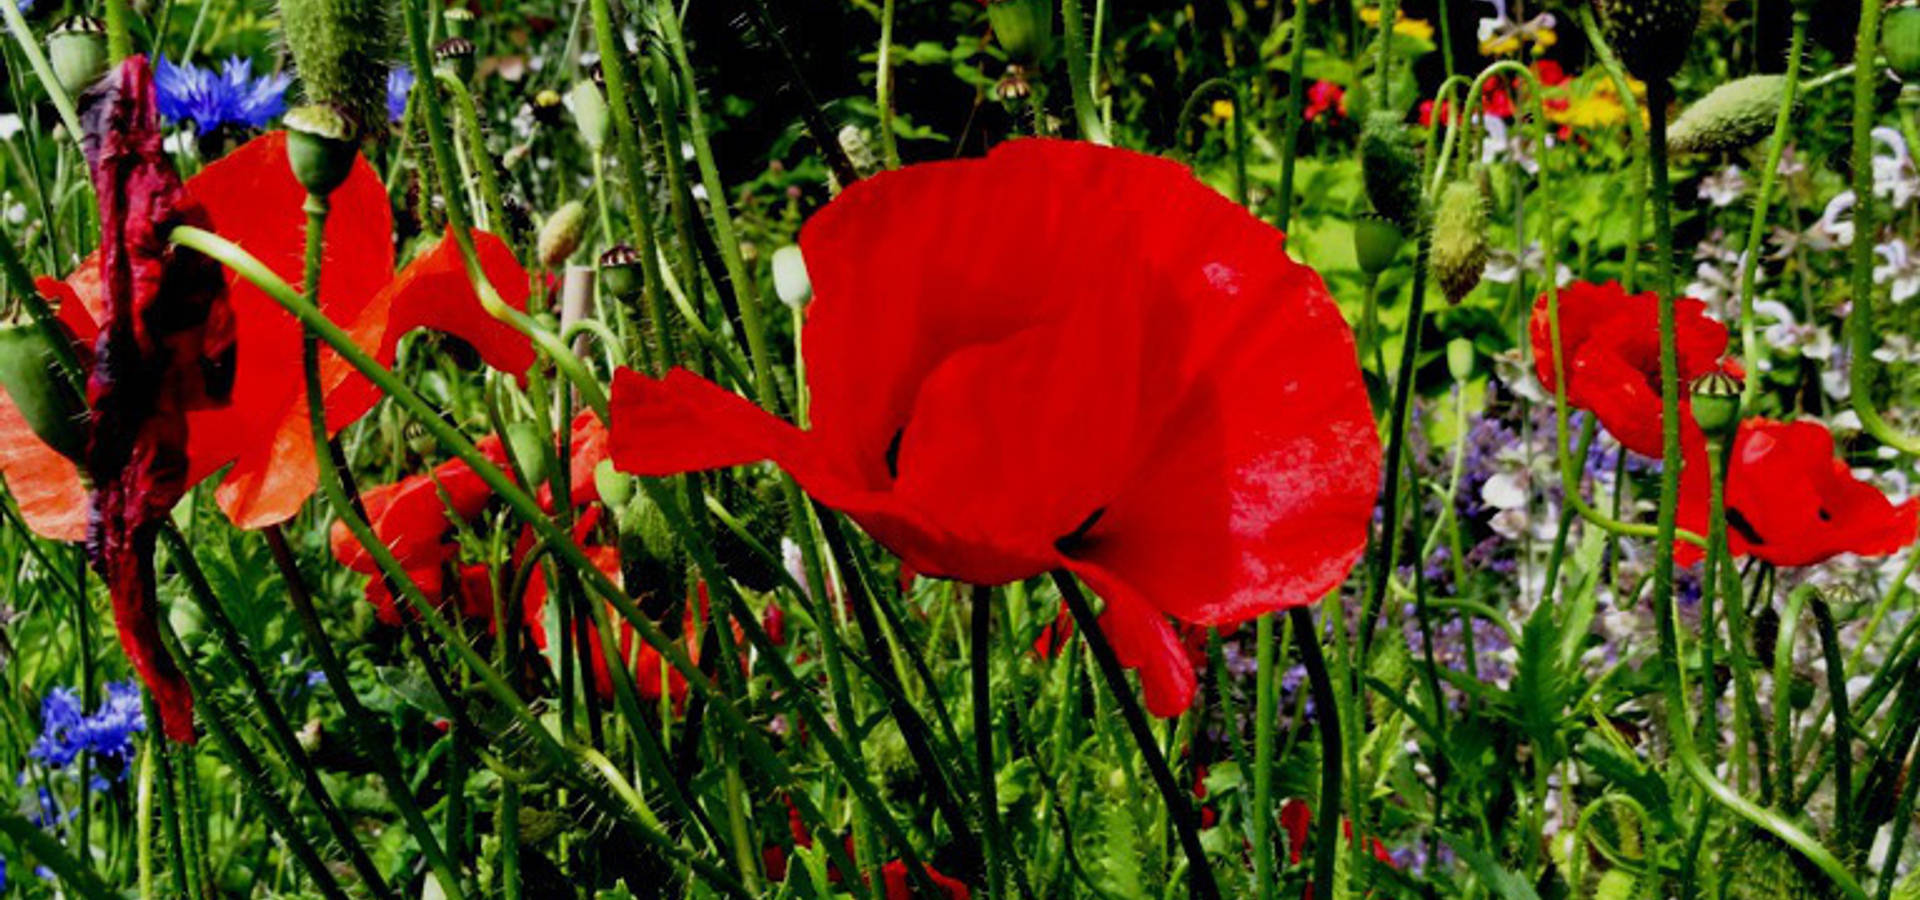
(883, 87)
(1326, 708)
(1750, 346)
(1295, 110)
(1080, 63)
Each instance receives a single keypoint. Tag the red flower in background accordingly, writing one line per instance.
(1155, 397)
(1610, 348)
(251, 198)
(1791, 502)
(1296, 820)
(164, 346)
(1325, 100)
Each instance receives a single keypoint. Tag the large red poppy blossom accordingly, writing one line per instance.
(1062, 355)
(1790, 502)
(251, 198)
(164, 346)
(1610, 347)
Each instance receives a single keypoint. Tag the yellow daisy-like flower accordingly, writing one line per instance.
(1594, 103)
(1221, 109)
(1418, 29)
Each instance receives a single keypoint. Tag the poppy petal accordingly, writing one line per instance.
(1143, 641)
(52, 498)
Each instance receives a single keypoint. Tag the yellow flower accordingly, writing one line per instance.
(1418, 29)
(1594, 103)
(1222, 109)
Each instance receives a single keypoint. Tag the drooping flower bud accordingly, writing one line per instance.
(1900, 41)
(1650, 36)
(1024, 28)
(51, 406)
(1460, 248)
(1376, 241)
(790, 279)
(1716, 403)
(561, 234)
(340, 53)
(456, 56)
(1731, 117)
(620, 272)
(321, 147)
(590, 114)
(1392, 169)
(78, 51)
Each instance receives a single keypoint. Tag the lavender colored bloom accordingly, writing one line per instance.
(59, 718)
(229, 96)
(399, 84)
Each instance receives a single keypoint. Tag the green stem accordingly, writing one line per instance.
(627, 144)
(1296, 106)
(1266, 701)
(1081, 61)
(119, 43)
(30, 47)
(1842, 723)
(1750, 346)
(883, 87)
(1326, 709)
(469, 118)
(48, 852)
(981, 599)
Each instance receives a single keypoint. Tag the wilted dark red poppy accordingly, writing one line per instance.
(1610, 347)
(1063, 355)
(251, 198)
(1791, 502)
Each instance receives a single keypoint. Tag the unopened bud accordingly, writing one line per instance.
(340, 53)
(1731, 117)
(1651, 37)
(50, 405)
(1900, 41)
(529, 445)
(1460, 248)
(1460, 359)
(547, 107)
(561, 234)
(790, 280)
(590, 114)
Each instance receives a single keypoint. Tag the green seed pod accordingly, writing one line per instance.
(1900, 41)
(614, 486)
(50, 405)
(620, 273)
(561, 234)
(590, 114)
(1651, 37)
(790, 279)
(78, 50)
(1732, 117)
(1716, 403)
(529, 445)
(1460, 248)
(456, 55)
(340, 52)
(1800, 691)
(1376, 242)
(1392, 169)
(1460, 355)
(1024, 28)
(320, 147)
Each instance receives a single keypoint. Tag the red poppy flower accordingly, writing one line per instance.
(1155, 397)
(1325, 100)
(1296, 820)
(251, 198)
(1791, 502)
(1610, 347)
(651, 672)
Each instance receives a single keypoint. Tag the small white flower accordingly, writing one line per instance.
(1900, 269)
(1791, 165)
(9, 126)
(1506, 143)
(1503, 266)
(1724, 188)
(1832, 230)
(1897, 348)
(1894, 175)
(1787, 336)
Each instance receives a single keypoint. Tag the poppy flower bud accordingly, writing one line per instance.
(459, 21)
(78, 50)
(1732, 117)
(590, 114)
(613, 486)
(1024, 28)
(1460, 359)
(790, 279)
(320, 147)
(1460, 239)
(1900, 41)
(1392, 169)
(561, 234)
(620, 272)
(455, 55)
(529, 444)
(1376, 241)
(340, 52)
(1716, 403)
(1650, 36)
(51, 406)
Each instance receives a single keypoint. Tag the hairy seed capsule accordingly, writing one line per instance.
(340, 52)
(1460, 248)
(1650, 36)
(1392, 169)
(561, 234)
(1732, 117)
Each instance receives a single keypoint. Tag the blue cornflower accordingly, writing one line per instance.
(230, 96)
(399, 84)
(59, 719)
(108, 733)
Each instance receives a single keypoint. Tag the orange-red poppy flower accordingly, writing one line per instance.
(1610, 348)
(251, 198)
(1062, 355)
(1790, 502)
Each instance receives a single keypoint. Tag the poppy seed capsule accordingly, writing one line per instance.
(455, 55)
(1650, 36)
(560, 235)
(320, 147)
(1376, 242)
(1024, 28)
(50, 405)
(1392, 169)
(619, 272)
(589, 114)
(1716, 403)
(1900, 41)
(1460, 249)
(1732, 117)
(78, 51)
(339, 50)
